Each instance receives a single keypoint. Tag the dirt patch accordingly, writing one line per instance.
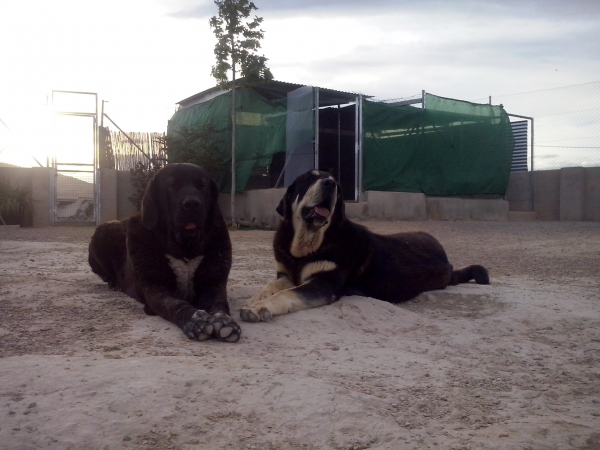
(512, 365)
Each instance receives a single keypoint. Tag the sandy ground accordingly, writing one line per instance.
(513, 365)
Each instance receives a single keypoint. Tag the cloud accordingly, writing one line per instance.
(462, 51)
(556, 9)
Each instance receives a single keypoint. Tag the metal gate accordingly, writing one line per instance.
(74, 156)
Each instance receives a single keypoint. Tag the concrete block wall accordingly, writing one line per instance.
(444, 208)
(566, 194)
(570, 193)
(519, 192)
(39, 180)
(125, 190)
(546, 194)
(115, 190)
(108, 195)
(259, 205)
(396, 205)
(42, 195)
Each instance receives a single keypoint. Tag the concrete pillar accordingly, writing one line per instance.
(591, 204)
(108, 194)
(125, 190)
(518, 192)
(572, 183)
(546, 194)
(42, 195)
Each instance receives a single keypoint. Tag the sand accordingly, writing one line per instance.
(513, 365)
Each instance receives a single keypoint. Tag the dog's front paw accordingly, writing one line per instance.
(261, 296)
(225, 328)
(255, 314)
(199, 326)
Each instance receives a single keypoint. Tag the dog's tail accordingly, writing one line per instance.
(476, 272)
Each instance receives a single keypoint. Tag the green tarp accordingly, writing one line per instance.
(260, 130)
(449, 148)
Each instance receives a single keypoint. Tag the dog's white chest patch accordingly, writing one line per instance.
(184, 270)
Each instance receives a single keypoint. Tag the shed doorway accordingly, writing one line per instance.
(337, 144)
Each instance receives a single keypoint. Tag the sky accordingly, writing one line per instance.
(143, 56)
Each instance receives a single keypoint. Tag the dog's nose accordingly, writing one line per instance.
(191, 203)
(329, 183)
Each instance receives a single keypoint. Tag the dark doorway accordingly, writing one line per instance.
(337, 139)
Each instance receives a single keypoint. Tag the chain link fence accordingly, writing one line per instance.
(566, 124)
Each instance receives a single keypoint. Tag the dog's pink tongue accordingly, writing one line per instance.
(323, 212)
(190, 226)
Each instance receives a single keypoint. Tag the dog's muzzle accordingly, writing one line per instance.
(319, 214)
(191, 217)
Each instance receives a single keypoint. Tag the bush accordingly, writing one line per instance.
(15, 204)
(200, 145)
(141, 175)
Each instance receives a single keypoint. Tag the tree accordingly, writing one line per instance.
(238, 39)
(200, 145)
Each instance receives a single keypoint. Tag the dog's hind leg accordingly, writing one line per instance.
(475, 272)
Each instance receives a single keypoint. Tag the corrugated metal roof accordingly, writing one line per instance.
(276, 90)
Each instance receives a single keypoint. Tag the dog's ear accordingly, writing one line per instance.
(281, 207)
(286, 201)
(149, 211)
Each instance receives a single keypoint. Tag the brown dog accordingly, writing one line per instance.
(321, 256)
(175, 256)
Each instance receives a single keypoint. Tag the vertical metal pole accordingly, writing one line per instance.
(339, 144)
(96, 172)
(102, 114)
(490, 99)
(52, 182)
(97, 178)
(532, 134)
(316, 132)
(423, 99)
(47, 153)
(532, 184)
(356, 137)
(233, 123)
(54, 173)
(357, 148)
(361, 133)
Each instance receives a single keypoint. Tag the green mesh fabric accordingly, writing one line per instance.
(260, 130)
(449, 148)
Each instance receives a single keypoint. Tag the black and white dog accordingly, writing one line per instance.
(175, 256)
(321, 255)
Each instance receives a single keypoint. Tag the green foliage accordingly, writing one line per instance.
(199, 145)
(141, 175)
(15, 204)
(238, 39)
